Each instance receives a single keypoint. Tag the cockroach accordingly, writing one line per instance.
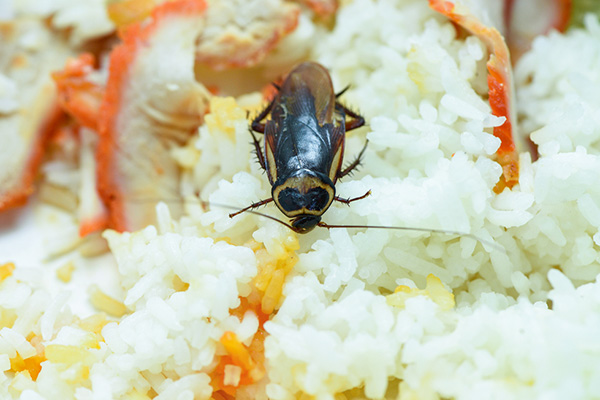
(304, 146)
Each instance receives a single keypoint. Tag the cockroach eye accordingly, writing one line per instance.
(316, 199)
(290, 199)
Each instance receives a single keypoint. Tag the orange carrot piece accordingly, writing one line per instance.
(236, 350)
(250, 359)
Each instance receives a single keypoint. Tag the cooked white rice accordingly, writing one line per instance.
(523, 322)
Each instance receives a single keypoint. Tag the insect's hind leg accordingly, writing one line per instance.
(357, 119)
(252, 206)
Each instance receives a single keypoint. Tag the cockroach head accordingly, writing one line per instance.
(305, 223)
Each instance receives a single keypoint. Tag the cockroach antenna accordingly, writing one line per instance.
(206, 205)
(495, 246)
(415, 229)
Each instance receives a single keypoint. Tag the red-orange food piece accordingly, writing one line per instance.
(247, 359)
(93, 215)
(81, 99)
(94, 224)
(32, 364)
(77, 95)
(527, 19)
(251, 303)
(17, 184)
(226, 43)
(270, 91)
(28, 124)
(152, 102)
(500, 85)
(323, 8)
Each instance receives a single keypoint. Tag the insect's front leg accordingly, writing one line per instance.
(251, 206)
(348, 201)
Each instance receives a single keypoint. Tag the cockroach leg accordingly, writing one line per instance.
(348, 201)
(357, 120)
(259, 126)
(341, 92)
(354, 163)
(259, 153)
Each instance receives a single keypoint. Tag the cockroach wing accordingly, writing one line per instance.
(270, 147)
(337, 150)
(314, 78)
(301, 103)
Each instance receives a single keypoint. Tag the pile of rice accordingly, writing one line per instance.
(359, 313)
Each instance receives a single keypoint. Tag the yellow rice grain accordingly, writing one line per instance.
(104, 302)
(94, 323)
(223, 116)
(6, 270)
(435, 290)
(66, 354)
(65, 272)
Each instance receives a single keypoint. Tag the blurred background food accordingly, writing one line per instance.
(121, 119)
